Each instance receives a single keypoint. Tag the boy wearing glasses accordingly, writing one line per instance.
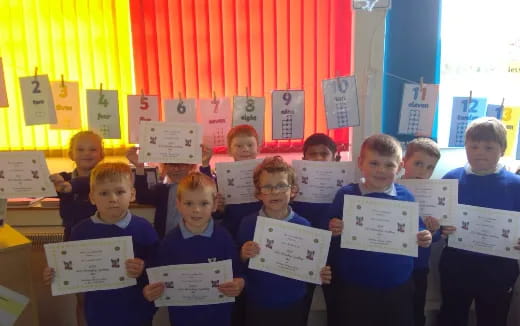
(272, 299)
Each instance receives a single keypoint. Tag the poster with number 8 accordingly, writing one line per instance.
(215, 118)
(341, 102)
(66, 100)
(288, 108)
(38, 104)
(180, 110)
(250, 110)
(103, 113)
(463, 112)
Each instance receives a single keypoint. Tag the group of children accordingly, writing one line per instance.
(193, 224)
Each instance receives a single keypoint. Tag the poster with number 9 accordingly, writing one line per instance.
(215, 118)
(288, 109)
(249, 110)
(103, 113)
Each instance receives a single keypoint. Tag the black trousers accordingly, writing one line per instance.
(293, 315)
(420, 279)
(361, 306)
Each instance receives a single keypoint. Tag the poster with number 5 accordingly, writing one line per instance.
(250, 111)
(215, 118)
(103, 113)
(141, 108)
(462, 114)
(341, 102)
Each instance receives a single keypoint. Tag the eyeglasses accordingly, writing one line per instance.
(268, 189)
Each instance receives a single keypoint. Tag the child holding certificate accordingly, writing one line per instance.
(465, 275)
(272, 299)
(197, 239)
(111, 190)
(373, 288)
(422, 155)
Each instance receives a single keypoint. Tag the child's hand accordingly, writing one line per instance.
(232, 288)
(221, 202)
(325, 275)
(517, 247)
(48, 275)
(424, 238)
(153, 291)
(134, 267)
(207, 153)
(131, 155)
(336, 226)
(431, 223)
(60, 184)
(447, 230)
(249, 250)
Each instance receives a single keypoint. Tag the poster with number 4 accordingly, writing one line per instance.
(103, 113)
(180, 110)
(38, 104)
(288, 109)
(66, 101)
(341, 102)
(250, 110)
(215, 118)
(418, 109)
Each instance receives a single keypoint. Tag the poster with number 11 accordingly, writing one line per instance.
(417, 109)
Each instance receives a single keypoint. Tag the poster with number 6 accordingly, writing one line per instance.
(38, 104)
(103, 113)
(341, 102)
(66, 101)
(141, 108)
(180, 110)
(250, 111)
(462, 114)
(418, 109)
(288, 109)
(215, 118)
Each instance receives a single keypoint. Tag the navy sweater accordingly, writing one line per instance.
(266, 290)
(125, 306)
(156, 196)
(499, 191)
(316, 213)
(75, 206)
(174, 250)
(365, 268)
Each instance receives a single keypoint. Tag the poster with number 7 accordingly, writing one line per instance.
(103, 113)
(215, 118)
(141, 108)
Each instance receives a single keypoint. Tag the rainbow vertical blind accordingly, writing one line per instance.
(193, 47)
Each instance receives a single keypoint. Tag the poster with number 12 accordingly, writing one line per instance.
(103, 113)
(462, 114)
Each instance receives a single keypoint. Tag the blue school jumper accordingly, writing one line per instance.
(125, 306)
(315, 213)
(180, 246)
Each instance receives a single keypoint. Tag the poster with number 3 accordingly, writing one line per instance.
(66, 100)
(341, 102)
(103, 113)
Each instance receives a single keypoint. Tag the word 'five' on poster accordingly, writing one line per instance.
(418, 109)
(464, 111)
(38, 103)
(141, 108)
(250, 111)
(341, 102)
(215, 118)
(103, 113)
(66, 101)
(180, 110)
(288, 109)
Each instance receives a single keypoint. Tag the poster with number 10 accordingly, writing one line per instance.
(249, 110)
(462, 114)
(341, 102)
(103, 113)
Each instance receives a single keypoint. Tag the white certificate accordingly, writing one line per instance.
(103, 113)
(90, 265)
(170, 142)
(24, 174)
(418, 109)
(250, 111)
(318, 182)
(288, 112)
(215, 117)
(235, 181)
(180, 110)
(12, 305)
(291, 250)
(341, 102)
(486, 230)
(192, 284)
(380, 225)
(141, 108)
(437, 198)
(38, 104)
(66, 100)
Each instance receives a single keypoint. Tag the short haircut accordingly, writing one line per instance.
(487, 129)
(422, 144)
(196, 181)
(111, 171)
(274, 164)
(86, 133)
(241, 130)
(319, 139)
(382, 144)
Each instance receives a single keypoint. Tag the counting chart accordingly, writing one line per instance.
(341, 103)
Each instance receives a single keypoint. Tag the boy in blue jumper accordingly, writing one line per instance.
(465, 275)
(197, 239)
(422, 155)
(111, 191)
(271, 299)
(372, 288)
